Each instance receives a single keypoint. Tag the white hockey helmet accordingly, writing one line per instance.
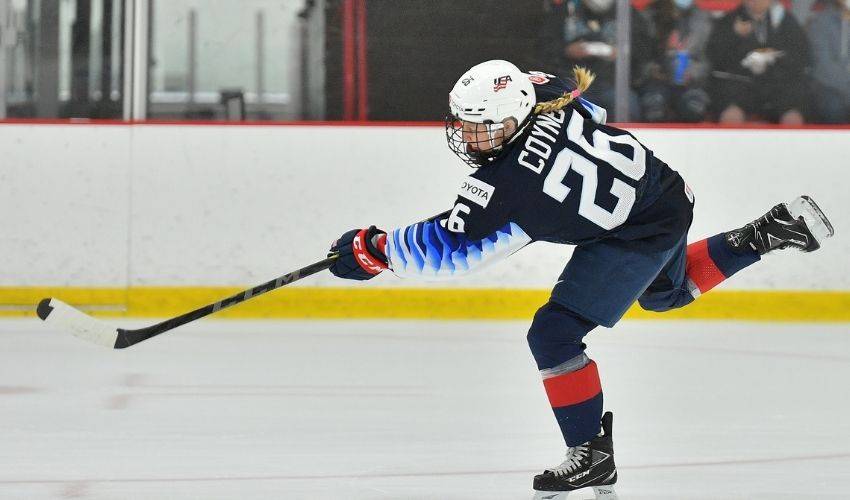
(488, 93)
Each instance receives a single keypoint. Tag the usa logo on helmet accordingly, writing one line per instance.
(501, 82)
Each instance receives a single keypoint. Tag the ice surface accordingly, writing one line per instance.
(444, 410)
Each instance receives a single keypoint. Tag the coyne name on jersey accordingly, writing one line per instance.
(534, 145)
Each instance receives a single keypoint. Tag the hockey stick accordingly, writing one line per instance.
(82, 325)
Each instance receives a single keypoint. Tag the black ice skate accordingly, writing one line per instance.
(798, 224)
(587, 465)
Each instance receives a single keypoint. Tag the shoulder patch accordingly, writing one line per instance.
(539, 78)
(476, 191)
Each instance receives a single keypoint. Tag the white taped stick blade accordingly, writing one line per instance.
(65, 317)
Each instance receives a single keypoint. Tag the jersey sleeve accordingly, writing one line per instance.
(429, 250)
(475, 233)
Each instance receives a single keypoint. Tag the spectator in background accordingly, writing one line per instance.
(829, 34)
(675, 90)
(759, 54)
(586, 33)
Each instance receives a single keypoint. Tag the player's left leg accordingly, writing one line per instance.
(570, 378)
(597, 286)
(572, 384)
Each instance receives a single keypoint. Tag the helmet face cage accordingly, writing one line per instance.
(479, 152)
(480, 102)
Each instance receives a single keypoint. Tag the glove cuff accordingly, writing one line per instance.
(363, 248)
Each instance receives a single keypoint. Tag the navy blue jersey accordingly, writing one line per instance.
(566, 178)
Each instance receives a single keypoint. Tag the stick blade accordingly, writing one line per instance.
(64, 317)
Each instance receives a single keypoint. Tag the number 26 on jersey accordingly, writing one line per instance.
(633, 167)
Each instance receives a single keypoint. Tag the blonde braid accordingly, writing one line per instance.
(583, 78)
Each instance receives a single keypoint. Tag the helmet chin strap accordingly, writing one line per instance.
(491, 135)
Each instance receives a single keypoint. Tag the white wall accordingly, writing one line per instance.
(215, 205)
(64, 205)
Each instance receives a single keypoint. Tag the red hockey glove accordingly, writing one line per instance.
(361, 254)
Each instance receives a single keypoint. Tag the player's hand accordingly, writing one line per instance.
(361, 254)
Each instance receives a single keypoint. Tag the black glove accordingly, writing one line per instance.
(361, 254)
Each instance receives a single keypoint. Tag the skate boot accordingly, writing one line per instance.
(798, 224)
(587, 465)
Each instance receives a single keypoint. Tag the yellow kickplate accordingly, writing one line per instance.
(413, 303)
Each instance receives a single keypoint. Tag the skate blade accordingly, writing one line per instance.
(600, 492)
(604, 493)
(813, 216)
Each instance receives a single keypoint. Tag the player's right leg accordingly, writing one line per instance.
(799, 224)
(702, 265)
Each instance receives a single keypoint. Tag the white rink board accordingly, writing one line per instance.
(424, 410)
(64, 205)
(234, 205)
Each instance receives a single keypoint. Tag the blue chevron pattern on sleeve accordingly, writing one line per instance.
(428, 250)
(599, 114)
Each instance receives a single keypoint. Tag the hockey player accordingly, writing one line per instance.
(548, 168)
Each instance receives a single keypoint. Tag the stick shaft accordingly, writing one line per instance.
(127, 338)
